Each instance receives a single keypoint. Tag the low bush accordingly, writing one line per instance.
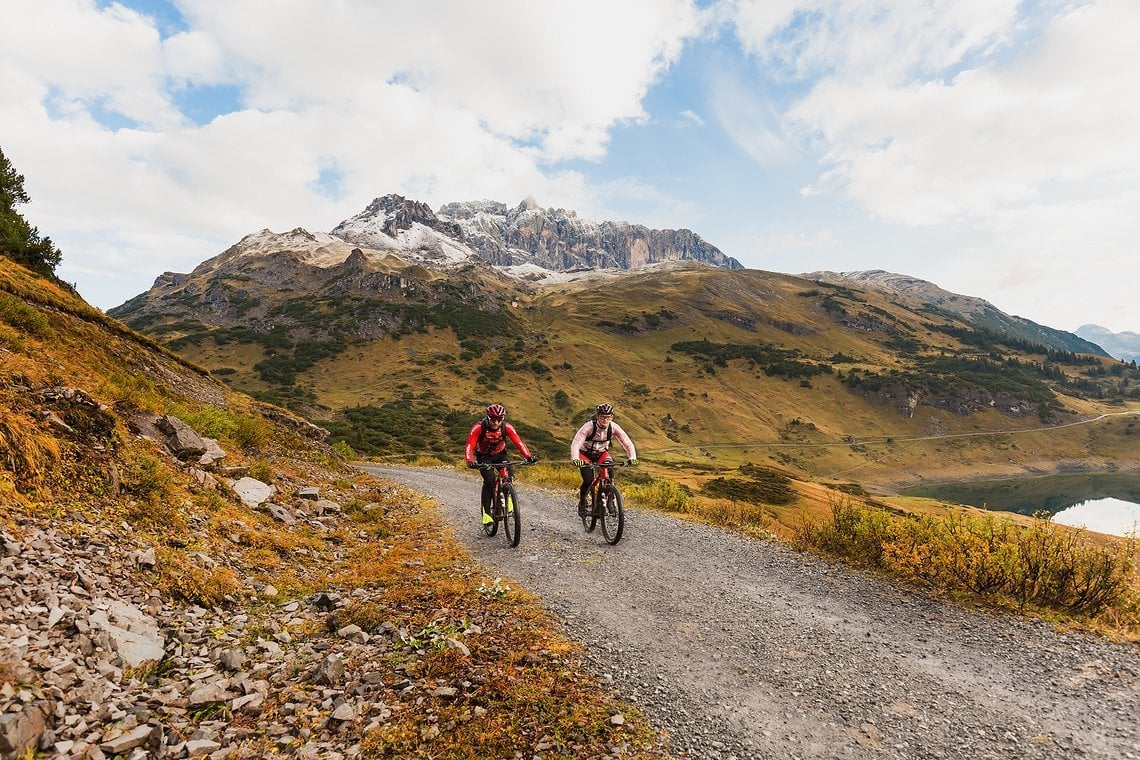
(659, 493)
(1042, 564)
(23, 316)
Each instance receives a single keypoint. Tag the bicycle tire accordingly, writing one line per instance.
(613, 515)
(512, 520)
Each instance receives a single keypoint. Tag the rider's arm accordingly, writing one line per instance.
(625, 441)
(509, 429)
(579, 439)
(472, 439)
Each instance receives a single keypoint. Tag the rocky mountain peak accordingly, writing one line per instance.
(559, 240)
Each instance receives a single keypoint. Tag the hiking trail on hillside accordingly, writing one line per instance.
(745, 648)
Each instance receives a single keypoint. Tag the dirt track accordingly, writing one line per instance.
(745, 648)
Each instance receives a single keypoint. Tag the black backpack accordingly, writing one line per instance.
(594, 432)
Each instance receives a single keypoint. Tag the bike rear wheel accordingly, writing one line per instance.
(512, 520)
(613, 515)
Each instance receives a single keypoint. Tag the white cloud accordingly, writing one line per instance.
(439, 101)
(690, 117)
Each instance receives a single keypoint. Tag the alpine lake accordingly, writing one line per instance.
(1101, 502)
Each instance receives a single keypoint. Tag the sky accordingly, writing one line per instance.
(991, 147)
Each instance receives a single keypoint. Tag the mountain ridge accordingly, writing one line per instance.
(1123, 345)
(976, 311)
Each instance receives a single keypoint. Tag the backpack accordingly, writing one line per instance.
(594, 431)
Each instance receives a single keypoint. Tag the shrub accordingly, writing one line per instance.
(659, 494)
(1043, 563)
(22, 316)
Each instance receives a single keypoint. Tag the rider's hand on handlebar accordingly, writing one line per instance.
(532, 459)
(632, 463)
(473, 465)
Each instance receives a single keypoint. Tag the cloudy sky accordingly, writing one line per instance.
(989, 146)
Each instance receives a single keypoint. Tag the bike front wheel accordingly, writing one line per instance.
(512, 520)
(613, 515)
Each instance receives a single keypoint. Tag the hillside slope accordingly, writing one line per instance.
(711, 368)
(974, 311)
(186, 571)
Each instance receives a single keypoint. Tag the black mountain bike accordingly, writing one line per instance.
(605, 501)
(504, 502)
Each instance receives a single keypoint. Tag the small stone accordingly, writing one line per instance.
(344, 712)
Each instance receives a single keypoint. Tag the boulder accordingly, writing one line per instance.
(20, 732)
(180, 438)
(252, 491)
(134, 635)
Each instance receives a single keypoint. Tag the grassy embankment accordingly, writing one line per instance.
(93, 477)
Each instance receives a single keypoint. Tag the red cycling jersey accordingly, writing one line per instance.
(490, 441)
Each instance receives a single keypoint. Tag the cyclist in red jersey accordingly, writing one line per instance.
(487, 443)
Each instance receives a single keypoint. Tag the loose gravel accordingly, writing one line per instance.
(744, 648)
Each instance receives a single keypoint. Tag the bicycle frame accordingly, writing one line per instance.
(601, 479)
(605, 501)
(504, 474)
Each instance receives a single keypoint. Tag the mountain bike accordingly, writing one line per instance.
(504, 502)
(605, 501)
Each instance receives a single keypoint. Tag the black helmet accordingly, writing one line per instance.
(604, 409)
(496, 412)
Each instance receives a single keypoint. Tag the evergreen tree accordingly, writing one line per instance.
(20, 241)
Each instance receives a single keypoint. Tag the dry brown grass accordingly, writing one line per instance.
(26, 451)
(528, 685)
(1039, 567)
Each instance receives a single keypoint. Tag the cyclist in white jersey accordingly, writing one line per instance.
(592, 444)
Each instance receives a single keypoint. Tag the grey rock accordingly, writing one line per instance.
(133, 634)
(21, 731)
(252, 491)
(127, 741)
(331, 670)
(213, 453)
(180, 438)
(231, 659)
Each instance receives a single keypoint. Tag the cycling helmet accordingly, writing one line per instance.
(496, 412)
(604, 409)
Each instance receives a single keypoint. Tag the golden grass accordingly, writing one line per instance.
(1040, 566)
(527, 685)
(26, 451)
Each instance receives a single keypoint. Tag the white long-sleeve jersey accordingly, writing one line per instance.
(586, 440)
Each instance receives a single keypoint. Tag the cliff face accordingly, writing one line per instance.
(558, 239)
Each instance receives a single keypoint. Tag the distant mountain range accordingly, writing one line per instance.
(980, 313)
(551, 239)
(1123, 345)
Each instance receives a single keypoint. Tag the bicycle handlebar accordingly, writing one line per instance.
(599, 466)
(497, 465)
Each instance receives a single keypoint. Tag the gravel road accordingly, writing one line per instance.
(745, 648)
